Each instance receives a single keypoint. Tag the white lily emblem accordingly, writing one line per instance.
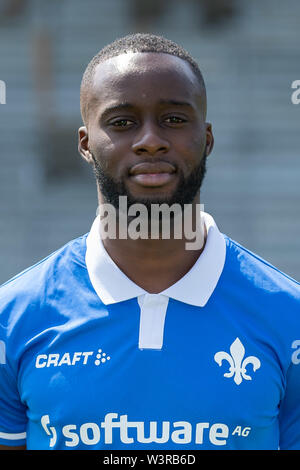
(237, 362)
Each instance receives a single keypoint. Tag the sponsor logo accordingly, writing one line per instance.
(71, 359)
(119, 428)
(237, 362)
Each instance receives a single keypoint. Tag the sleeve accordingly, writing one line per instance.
(13, 417)
(289, 414)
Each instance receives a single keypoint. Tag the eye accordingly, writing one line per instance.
(175, 120)
(122, 123)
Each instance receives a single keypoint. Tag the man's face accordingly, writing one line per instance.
(146, 133)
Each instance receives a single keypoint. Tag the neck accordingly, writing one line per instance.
(157, 263)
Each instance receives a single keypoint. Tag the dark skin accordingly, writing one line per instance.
(152, 128)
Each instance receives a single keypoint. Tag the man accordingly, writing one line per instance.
(140, 342)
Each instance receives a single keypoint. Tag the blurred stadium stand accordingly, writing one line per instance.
(249, 54)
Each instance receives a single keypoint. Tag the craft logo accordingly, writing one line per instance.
(2, 92)
(71, 359)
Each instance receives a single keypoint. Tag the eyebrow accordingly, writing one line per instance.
(176, 103)
(118, 107)
(128, 106)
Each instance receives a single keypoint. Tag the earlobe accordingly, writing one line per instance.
(83, 144)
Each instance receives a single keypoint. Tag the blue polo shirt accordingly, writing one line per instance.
(89, 360)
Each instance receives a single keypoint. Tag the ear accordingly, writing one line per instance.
(209, 138)
(83, 144)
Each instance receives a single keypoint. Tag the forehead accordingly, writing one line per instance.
(144, 75)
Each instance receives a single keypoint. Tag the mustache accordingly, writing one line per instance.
(186, 190)
(164, 164)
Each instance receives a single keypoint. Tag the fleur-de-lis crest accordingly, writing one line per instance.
(237, 363)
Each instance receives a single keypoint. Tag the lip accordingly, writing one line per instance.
(144, 168)
(152, 174)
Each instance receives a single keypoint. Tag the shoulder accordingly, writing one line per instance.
(261, 288)
(258, 272)
(267, 300)
(27, 289)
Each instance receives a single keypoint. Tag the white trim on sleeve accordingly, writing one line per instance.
(12, 436)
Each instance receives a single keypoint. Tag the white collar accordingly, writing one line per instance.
(195, 288)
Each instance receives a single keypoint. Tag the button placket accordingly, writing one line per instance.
(152, 320)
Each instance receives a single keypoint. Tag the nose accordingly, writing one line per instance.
(149, 141)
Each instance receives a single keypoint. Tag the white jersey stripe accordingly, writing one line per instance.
(12, 436)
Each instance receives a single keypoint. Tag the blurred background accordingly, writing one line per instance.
(249, 53)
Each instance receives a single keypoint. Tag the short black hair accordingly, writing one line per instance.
(138, 42)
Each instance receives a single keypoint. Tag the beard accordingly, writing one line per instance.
(185, 193)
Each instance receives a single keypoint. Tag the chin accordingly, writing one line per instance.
(148, 199)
